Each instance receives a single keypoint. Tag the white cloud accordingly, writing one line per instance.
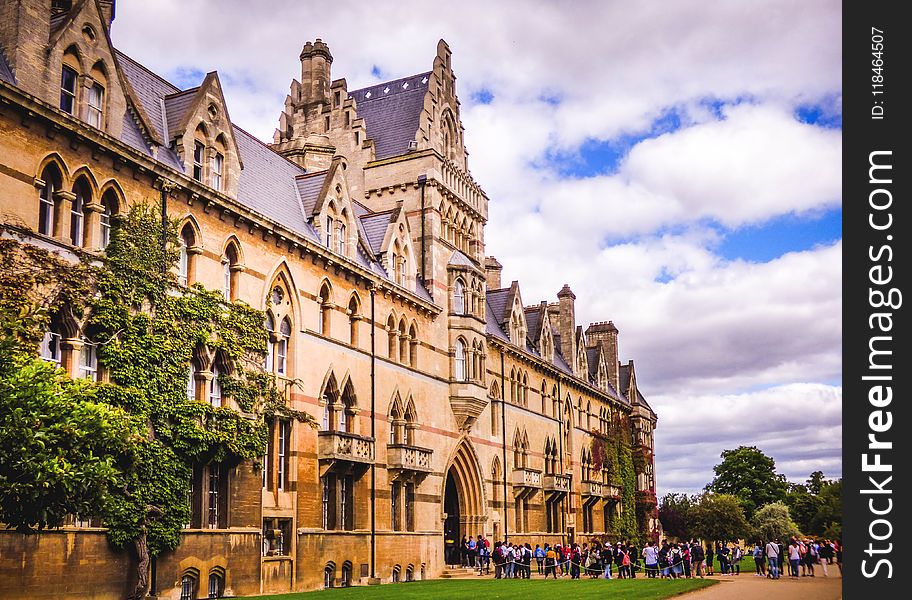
(710, 332)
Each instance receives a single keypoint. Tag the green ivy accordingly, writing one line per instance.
(149, 435)
(614, 452)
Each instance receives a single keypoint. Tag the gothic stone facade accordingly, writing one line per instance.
(361, 229)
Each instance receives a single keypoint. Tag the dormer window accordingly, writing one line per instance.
(340, 240)
(217, 163)
(95, 111)
(68, 90)
(198, 151)
(329, 232)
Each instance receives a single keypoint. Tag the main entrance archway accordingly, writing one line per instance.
(463, 502)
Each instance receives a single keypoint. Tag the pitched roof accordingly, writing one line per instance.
(176, 106)
(309, 186)
(375, 226)
(492, 324)
(498, 301)
(6, 74)
(267, 184)
(392, 112)
(460, 259)
(592, 357)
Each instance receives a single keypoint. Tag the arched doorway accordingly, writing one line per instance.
(463, 502)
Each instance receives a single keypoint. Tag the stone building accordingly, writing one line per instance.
(361, 230)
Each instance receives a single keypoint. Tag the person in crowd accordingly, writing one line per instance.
(619, 560)
(625, 562)
(810, 556)
(724, 554)
(539, 555)
(773, 554)
(736, 556)
(675, 562)
(826, 556)
(484, 557)
(651, 558)
(709, 559)
(550, 562)
(839, 555)
(607, 559)
(685, 559)
(794, 556)
(634, 554)
(527, 560)
(757, 553)
(575, 557)
(697, 556)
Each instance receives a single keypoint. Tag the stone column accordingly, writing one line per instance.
(63, 207)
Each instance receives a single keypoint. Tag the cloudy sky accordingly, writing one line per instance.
(677, 163)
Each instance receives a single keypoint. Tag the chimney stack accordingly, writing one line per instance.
(605, 335)
(567, 328)
(492, 272)
(316, 61)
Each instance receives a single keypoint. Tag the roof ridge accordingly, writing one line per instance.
(180, 93)
(388, 82)
(147, 69)
(307, 175)
(266, 146)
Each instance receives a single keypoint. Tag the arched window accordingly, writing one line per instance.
(50, 345)
(68, 78)
(459, 298)
(230, 269)
(403, 343)
(393, 335)
(282, 346)
(185, 261)
(216, 584)
(325, 310)
(110, 206)
(270, 343)
(349, 409)
(191, 382)
(340, 238)
(395, 575)
(189, 585)
(346, 574)
(77, 211)
(96, 97)
(329, 400)
(411, 422)
(354, 317)
(215, 388)
(199, 153)
(329, 230)
(413, 346)
(47, 209)
(396, 422)
(329, 576)
(460, 360)
(217, 167)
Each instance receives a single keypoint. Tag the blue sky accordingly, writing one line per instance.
(677, 164)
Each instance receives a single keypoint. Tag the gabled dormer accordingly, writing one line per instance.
(61, 52)
(331, 210)
(582, 357)
(198, 127)
(515, 318)
(397, 254)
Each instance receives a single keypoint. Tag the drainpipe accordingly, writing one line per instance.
(560, 431)
(373, 498)
(422, 180)
(163, 190)
(503, 436)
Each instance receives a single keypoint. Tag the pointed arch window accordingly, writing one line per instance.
(218, 163)
(459, 298)
(231, 268)
(413, 346)
(340, 238)
(393, 335)
(188, 587)
(50, 345)
(199, 154)
(77, 211)
(325, 310)
(88, 363)
(95, 108)
(47, 208)
(186, 254)
(403, 343)
(354, 317)
(216, 585)
(215, 388)
(281, 347)
(460, 353)
(109, 209)
(68, 78)
(270, 344)
(191, 382)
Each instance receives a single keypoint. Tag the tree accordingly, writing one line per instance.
(772, 521)
(123, 451)
(828, 520)
(675, 515)
(750, 475)
(718, 517)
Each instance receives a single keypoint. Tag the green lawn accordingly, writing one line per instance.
(459, 589)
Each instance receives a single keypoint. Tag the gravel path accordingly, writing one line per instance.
(748, 586)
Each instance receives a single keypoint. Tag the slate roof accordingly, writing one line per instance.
(131, 134)
(392, 112)
(460, 259)
(533, 320)
(492, 325)
(309, 187)
(497, 303)
(375, 226)
(592, 357)
(267, 184)
(176, 105)
(6, 74)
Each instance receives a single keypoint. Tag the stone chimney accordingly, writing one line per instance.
(492, 272)
(567, 328)
(107, 11)
(315, 73)
(605, 335)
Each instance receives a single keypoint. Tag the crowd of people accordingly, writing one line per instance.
(625, 560)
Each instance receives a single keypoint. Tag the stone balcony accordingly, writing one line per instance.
(591, 488)
(341, 451)
(556, 483)
(408, 458)
(611, 492)
(527, 478)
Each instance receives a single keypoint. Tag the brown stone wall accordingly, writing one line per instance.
(237, 551)
(66, 564)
